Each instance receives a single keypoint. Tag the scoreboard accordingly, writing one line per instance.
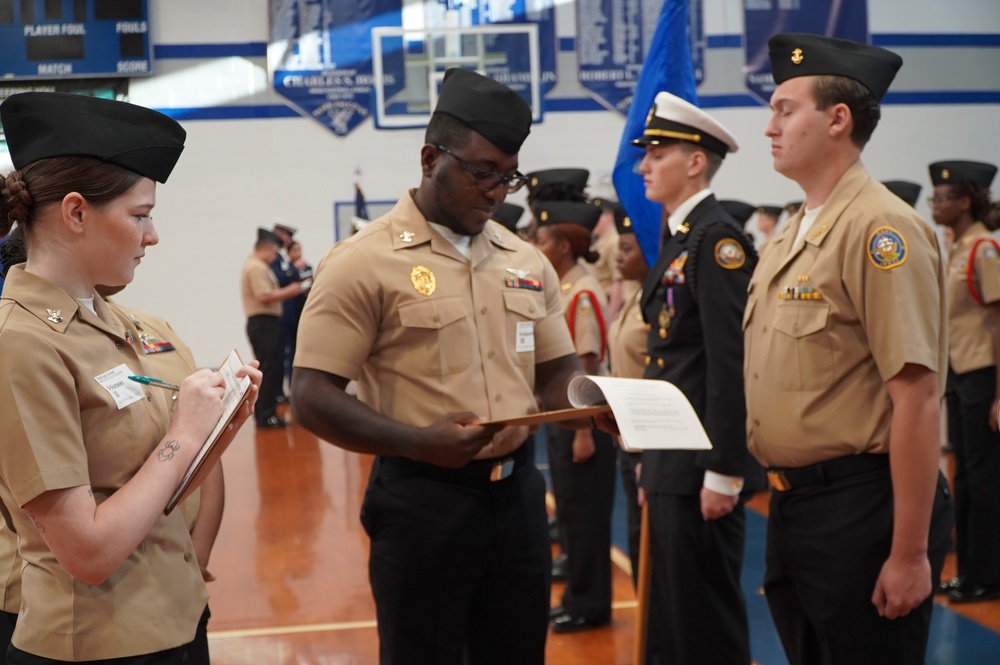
(56, 39)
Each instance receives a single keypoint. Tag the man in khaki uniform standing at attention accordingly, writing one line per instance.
(447, 320)
(845, 361)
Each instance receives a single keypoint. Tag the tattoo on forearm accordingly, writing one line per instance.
(34, 520)
(166, 453)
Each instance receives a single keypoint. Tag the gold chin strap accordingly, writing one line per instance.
(696, 138)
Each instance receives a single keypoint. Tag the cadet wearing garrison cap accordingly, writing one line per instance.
(508, 215)
(445, 320)
(768, 217)
(740, 211)
(844, 370)
(693, 300)
(905, 189)
(961, 203)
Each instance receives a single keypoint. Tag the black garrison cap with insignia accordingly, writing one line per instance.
(904, 189)
(490, 108)
(508, 214)
(741, 211)
(958, 170)
(263, 235)
(574, 179)
(772, 210)
(39, 125)
(622, 221)
(796, 54)
(674, 119)
(568, 212)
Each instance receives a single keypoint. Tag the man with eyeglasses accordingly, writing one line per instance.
(447, 320)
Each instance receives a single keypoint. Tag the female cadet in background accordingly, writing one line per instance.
(961, 203)
(89, 458)
(582, 462)
(627, 358)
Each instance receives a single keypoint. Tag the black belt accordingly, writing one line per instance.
(824, 473)
(475, 473)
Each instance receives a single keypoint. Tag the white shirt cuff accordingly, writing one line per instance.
(720, 484)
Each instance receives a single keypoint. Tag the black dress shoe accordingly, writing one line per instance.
(567, 623)
(950, 585)
(274, 422)
(556, 611)
(281, 399)
(560, 568)
(554, 529)
(971, 592)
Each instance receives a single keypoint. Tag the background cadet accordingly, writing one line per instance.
(904, 189)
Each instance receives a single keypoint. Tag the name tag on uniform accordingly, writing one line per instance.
(118, 385)
(525, 336)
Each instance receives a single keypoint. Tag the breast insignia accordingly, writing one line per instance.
(423, 280)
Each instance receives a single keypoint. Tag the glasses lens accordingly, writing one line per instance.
(516, 183)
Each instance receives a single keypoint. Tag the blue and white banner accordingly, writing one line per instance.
(763, 19)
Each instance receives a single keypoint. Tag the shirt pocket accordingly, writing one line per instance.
(522, 307)
(438, 336)
(805, 350)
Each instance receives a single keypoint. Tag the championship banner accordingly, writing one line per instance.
(764, 18)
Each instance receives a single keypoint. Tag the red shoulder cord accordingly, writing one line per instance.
(970, 273)
(597, 312)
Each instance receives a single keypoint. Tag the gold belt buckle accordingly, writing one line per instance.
(501, 469)
(776, 478)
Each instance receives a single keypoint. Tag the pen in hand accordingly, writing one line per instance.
(150, 381)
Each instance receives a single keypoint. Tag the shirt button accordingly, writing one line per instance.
(437, 319)
(119, 345)
(756, 422)
(648, 360)
(490, 355)
(795, 327)
(483, 311)
(755, 375)
(531, 309)
(498, 397)
(660, 362)
(187, 556)
(765, 329)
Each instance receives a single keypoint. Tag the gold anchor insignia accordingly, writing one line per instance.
(545, 216)
(407, 236)
(627, 223)
(55, 315)
(945, 174)
(797, 56)
(534, 182)
(683, 228)
(423, 280)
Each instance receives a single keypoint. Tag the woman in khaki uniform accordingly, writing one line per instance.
(627, 358)
(90, 458)
(961, 202)
(581, 462)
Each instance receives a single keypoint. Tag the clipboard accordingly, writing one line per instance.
(237, 392)
(556, 416)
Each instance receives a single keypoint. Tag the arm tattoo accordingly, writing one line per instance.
(168, 451)
(38, 525)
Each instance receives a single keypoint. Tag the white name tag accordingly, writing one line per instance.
(525, 336)
(118, 385)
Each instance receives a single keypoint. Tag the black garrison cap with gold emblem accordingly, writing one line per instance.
(741, 211)
(508, 214)
(771, 210)
(904, 189)
(573, 179)
(959, 170)
(39, 125)
(264, 235)
(568, 212)
(674, 119)
(490, 108)
(796, 54)
(622, 221)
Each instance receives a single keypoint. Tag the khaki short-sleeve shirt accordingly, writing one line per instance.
(604, 267)
(833, 317)
(970, 326)
(427, 331)
(627, 335)
(63, 429)
(585, 308)
(257, 279)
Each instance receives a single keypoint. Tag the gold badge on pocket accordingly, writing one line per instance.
(423, 280)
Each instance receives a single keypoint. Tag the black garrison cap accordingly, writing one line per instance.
(741, 211)
(622, 221)
(263, 235)
(796, 54)
(904, 189)
(508, 214)
(490, 108)
(772, 210)
(957, 170)
(575, 179)
(568, 212)
(38, 125)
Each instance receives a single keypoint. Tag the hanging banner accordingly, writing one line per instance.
(764, 18)
(320, 56)
(612, 40)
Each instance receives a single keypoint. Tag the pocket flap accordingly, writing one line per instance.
(798, 319)
(529, 304)
(434, 314)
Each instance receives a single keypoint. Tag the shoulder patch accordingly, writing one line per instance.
(990, 254)
(886, 248)
(583, 304)
(729, 254)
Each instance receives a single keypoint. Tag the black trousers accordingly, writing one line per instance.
(264, 333)
(977, 477)
(459, 565)
(176, 656)
(633, 512)
(826, 544)
(584, 496)
(697, 613)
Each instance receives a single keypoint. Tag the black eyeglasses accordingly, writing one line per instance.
(487, 181)
(938, 200)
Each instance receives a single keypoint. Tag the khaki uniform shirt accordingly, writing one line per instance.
(970, 325)
(585, 307)
(604, 267)
(427, 331)
(627, 336)
(62, 429)
(830, 319)
(256, 279)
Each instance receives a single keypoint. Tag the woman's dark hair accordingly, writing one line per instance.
(992, 217)
(979, 198)
(579, 240)
(13, 250)
(864, 107)
(49, 180)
